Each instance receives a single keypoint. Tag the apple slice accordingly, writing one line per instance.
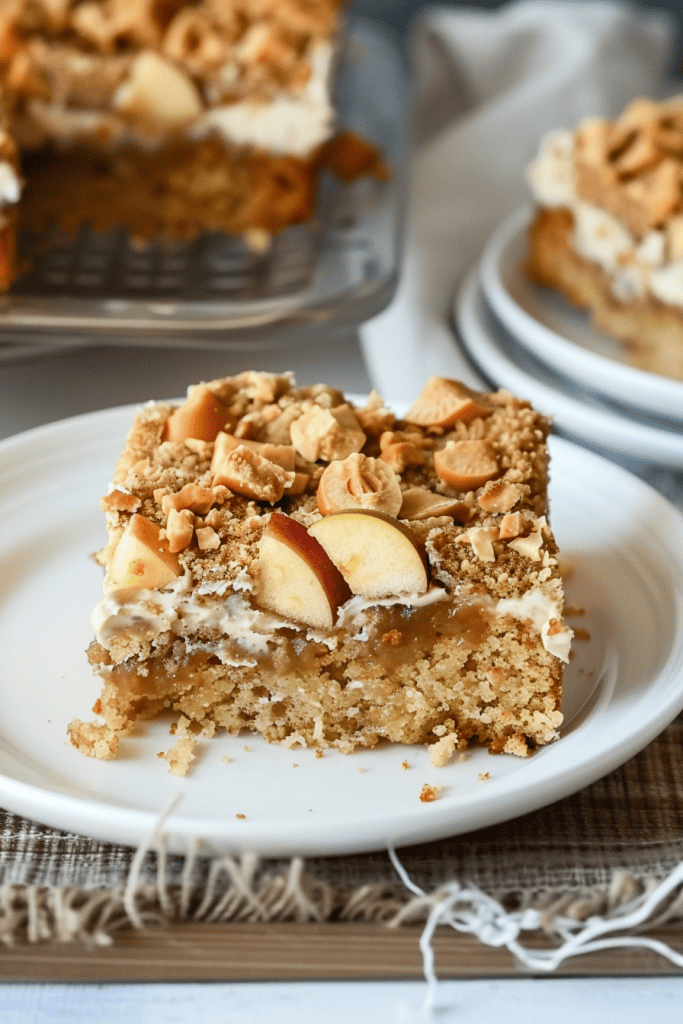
(156, 90)
(377, 555)
(443, 402)
(141, 558)
(296, 579)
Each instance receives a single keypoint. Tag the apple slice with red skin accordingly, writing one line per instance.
(296, 579)
(376, 554)
(142, 558)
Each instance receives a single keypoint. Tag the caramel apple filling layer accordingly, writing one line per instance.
(282, 561)
(404, 673)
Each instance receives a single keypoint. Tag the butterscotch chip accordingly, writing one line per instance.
(466, 465)
(201, 417)
(443, 402)
(421, 503)
(359, 481)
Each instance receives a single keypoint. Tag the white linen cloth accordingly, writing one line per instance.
(488, 85)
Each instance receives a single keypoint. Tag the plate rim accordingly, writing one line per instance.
(659, 395)
(131, 825)
(627, 438)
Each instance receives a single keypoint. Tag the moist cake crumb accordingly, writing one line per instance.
(365, 586)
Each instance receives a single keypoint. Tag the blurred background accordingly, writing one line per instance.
(399, 14)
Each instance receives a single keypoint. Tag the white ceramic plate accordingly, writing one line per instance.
(562, 336)
(586, 417)
(622, 688)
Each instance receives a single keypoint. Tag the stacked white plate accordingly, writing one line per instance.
(530, 341)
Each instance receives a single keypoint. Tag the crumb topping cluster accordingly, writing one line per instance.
(463, 474)
(633, 167)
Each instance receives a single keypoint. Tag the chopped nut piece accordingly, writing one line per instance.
(279, 454)
(327, 434)
(119, 501)
(359, 481)
(530, 546)
(179, 529)
(500, 496)
(510, 526)
(421, 503)
(374, 417)
(207, 538)
(481, 538)
(443, 402)
(249, 474)
(191, 496)
(466, 465)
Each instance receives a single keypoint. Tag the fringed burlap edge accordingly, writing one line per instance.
(238, 890)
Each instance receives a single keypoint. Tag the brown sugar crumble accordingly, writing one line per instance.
(429, 793)
(426, 617)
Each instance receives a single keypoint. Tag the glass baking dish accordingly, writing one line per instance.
(216, 292)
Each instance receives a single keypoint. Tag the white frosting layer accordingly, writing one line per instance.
(290, 123)
(176, 609)
(287, 124)
(635, 267)
(542, 610)
(10, 186)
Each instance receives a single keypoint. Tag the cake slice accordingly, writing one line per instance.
(174, 117)
(608, 230)
(284, 562)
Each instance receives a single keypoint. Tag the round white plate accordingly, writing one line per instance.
(588, 418)
(622, 688)
(563, 337)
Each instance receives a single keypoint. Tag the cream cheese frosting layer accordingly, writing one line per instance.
(148, 614)
(291, 123)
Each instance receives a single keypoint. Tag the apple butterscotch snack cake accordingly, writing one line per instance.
(284, 562)
(608, 228)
